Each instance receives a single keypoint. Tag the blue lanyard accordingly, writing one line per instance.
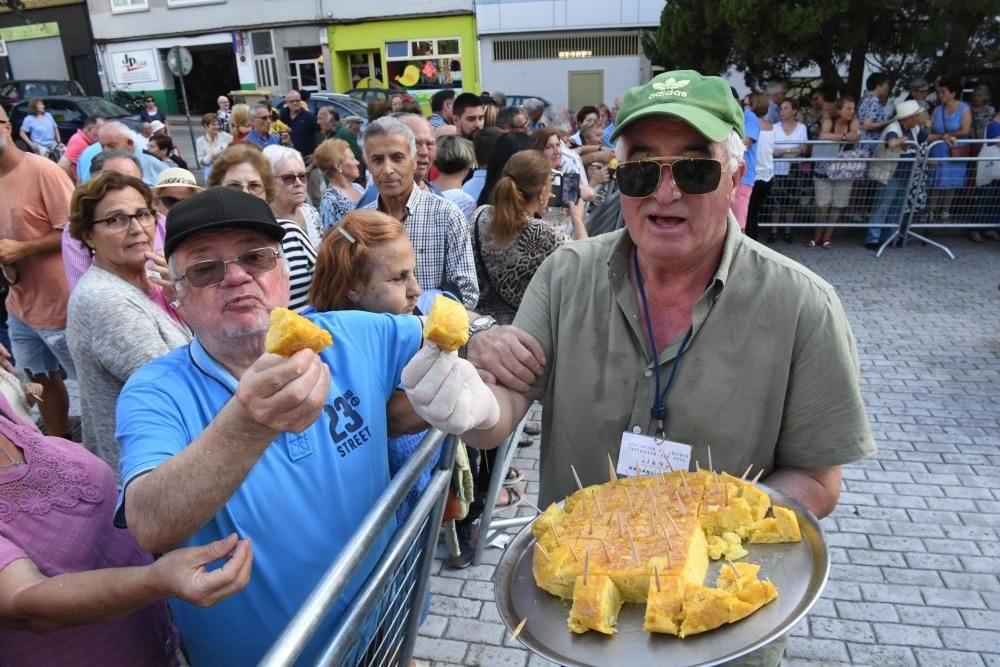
(659, 410)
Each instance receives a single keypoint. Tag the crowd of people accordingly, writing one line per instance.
(874, 144)
(154, 293)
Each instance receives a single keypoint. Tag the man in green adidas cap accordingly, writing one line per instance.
(754, 357)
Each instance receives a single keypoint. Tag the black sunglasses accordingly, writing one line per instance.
(691, 175)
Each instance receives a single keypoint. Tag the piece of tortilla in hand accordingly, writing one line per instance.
(290, 332)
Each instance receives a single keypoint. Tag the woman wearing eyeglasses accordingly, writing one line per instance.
(243, 167)
(117, 318)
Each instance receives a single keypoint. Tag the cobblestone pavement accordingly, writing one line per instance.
(915, 578)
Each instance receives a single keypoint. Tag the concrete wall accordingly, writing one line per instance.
(497, 16)
(550, 78)
(346, 10)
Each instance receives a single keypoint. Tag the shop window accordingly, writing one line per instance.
(122, 6)
(424, 63)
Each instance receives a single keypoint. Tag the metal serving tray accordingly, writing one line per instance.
(799, 571)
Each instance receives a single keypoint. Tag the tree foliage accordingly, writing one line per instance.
(12, 5)
(773, 39)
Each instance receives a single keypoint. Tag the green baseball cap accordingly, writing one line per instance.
(704, 102)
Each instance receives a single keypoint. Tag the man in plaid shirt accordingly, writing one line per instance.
(436, 227)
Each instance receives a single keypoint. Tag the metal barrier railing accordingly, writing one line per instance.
(861, 195)
(380, 626)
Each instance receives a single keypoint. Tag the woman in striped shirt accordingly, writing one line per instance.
(243, 167)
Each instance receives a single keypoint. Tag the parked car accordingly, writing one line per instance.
(18, 90)
(342, 104)
(70, 112)
(518, 100)
(366, 95)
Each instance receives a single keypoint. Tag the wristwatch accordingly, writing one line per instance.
(481, 323)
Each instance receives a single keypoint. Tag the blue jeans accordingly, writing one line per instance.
(888, 207)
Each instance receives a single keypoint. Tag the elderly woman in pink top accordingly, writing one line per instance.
(75, 590)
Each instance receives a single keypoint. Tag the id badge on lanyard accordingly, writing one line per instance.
(644, 455)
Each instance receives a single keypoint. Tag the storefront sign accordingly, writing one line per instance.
(30, 31)
(135, 65)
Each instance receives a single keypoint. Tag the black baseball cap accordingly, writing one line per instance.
(216, 208)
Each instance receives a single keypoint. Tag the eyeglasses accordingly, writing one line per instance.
(119, 222)
(267, 118)
(168, 202)
(289, 179)
(691, 175)
(253, 187)
(213, 271)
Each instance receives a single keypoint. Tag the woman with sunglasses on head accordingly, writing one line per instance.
(113, 215)
(243, 167)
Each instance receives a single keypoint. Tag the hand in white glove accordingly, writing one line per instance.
(448, 393)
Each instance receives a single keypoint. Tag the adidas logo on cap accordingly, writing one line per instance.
(670, 87)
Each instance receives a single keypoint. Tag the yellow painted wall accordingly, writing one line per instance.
(372, 36)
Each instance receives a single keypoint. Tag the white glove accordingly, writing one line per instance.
(448, 393)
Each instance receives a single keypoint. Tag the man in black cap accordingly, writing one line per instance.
(219, 436)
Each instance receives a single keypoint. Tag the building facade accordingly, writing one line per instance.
(275, 45)
(577, 52)
(50, 40)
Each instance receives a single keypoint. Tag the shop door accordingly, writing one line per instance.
(366, 69)
(213, 73)
(585, 87)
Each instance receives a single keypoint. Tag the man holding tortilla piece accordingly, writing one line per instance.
(755, 356)
(219, 436)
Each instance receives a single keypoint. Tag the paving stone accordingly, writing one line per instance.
(926, 561)
(883, 656)
(495, 656)
(947, 597)
(932, 616)
(817, 649)
(433, 626)
(976, 582)
(832, 628)
(478, 590)
(867, 611)
(916, 577)
(935, 658)
(445, 650)
(906, 635)
(463, 629)
(960, 639)
(891, 593)
(982, 620)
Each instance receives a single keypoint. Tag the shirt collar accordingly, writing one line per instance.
(411, 202)
(207, 364)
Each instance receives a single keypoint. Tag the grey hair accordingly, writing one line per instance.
(97, 164)
(117, 128)
(179, 286)
(533, 104)
(277, 154)
(506, 115)
(776, 87)
(732, 145)
(918, 83)
(557, 117)
(389, 126)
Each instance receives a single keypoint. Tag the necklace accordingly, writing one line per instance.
(13, 462)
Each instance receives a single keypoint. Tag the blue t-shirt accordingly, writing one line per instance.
(41, 131)
(751, 129)
(262, 141)
(305, 496)
(474, 186)
(86, 159)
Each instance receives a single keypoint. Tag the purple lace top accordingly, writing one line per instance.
(57, 510)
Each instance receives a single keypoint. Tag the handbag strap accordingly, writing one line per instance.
(478, 248)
